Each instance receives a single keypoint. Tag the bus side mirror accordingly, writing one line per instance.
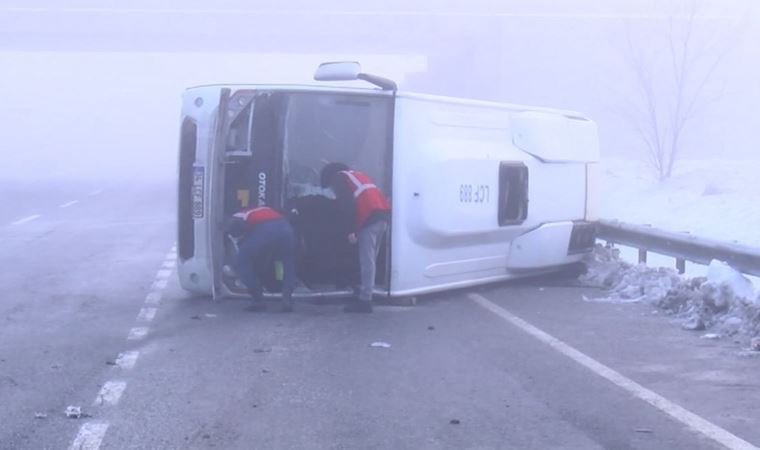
(350, 71)
(338, 71)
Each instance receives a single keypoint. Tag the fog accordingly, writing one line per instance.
(86, 99)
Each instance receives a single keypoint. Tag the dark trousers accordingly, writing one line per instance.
(275, 239)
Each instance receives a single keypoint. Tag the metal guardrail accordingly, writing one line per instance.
(681, 246)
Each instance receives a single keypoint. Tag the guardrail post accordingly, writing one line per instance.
(642, 255)
(681, 265)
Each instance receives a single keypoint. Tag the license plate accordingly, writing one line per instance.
(198, 177)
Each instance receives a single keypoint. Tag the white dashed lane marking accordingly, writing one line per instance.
(67, 204)
(137, 333)
(163, 274)
(26, 219)
(146, 314)
(110, 393)
(90, 436)
(153, 298)
(680, 414)
(127, 360)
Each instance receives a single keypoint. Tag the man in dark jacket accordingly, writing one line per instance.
(263, 233)
(364, 216)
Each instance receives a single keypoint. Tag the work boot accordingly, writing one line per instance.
(257, 301)
(358, 307)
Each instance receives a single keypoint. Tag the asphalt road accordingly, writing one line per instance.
(460, 372)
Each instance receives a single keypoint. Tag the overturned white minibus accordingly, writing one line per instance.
(480, 191)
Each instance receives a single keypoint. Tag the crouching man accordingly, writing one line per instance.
(263, 233)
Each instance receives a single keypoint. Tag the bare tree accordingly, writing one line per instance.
(671, 83)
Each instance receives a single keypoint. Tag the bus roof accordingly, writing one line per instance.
(400, 94)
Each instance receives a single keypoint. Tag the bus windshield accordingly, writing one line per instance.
(276, 144)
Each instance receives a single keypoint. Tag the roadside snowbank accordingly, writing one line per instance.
(724, 301)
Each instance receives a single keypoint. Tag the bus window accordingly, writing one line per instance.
(513, 193)
(322, 128)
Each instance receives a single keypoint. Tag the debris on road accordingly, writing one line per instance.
(431, 328)
(711, 336)
(693, 324)
(644, 430)
(210, 316)
(110, 362)
(454, 421)
(755, 344)
(55, 366)
(265, 371)
(380, 344)
(73, 412)
(196, 317)
(39, 415)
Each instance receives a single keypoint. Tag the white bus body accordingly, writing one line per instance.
(480, 191)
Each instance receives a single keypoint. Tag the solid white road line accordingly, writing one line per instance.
(137, 333)
(153, 298)
(110, 393)
(67, 204)
(127, 360)
(90, 436)
(26, 219)
(688, 418)
(146, 314)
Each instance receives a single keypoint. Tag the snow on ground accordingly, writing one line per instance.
(713, 198)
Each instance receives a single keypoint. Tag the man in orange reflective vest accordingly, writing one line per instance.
(263, 232)
(364, 219)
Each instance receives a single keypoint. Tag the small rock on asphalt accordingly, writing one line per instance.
(454, 421)
(196, 317)
(74, 412)
(380, 345)
(40, 415)
(431, 328)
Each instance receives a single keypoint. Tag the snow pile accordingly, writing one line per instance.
(723, 301)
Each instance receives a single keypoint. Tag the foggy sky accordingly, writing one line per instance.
(114, 114)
